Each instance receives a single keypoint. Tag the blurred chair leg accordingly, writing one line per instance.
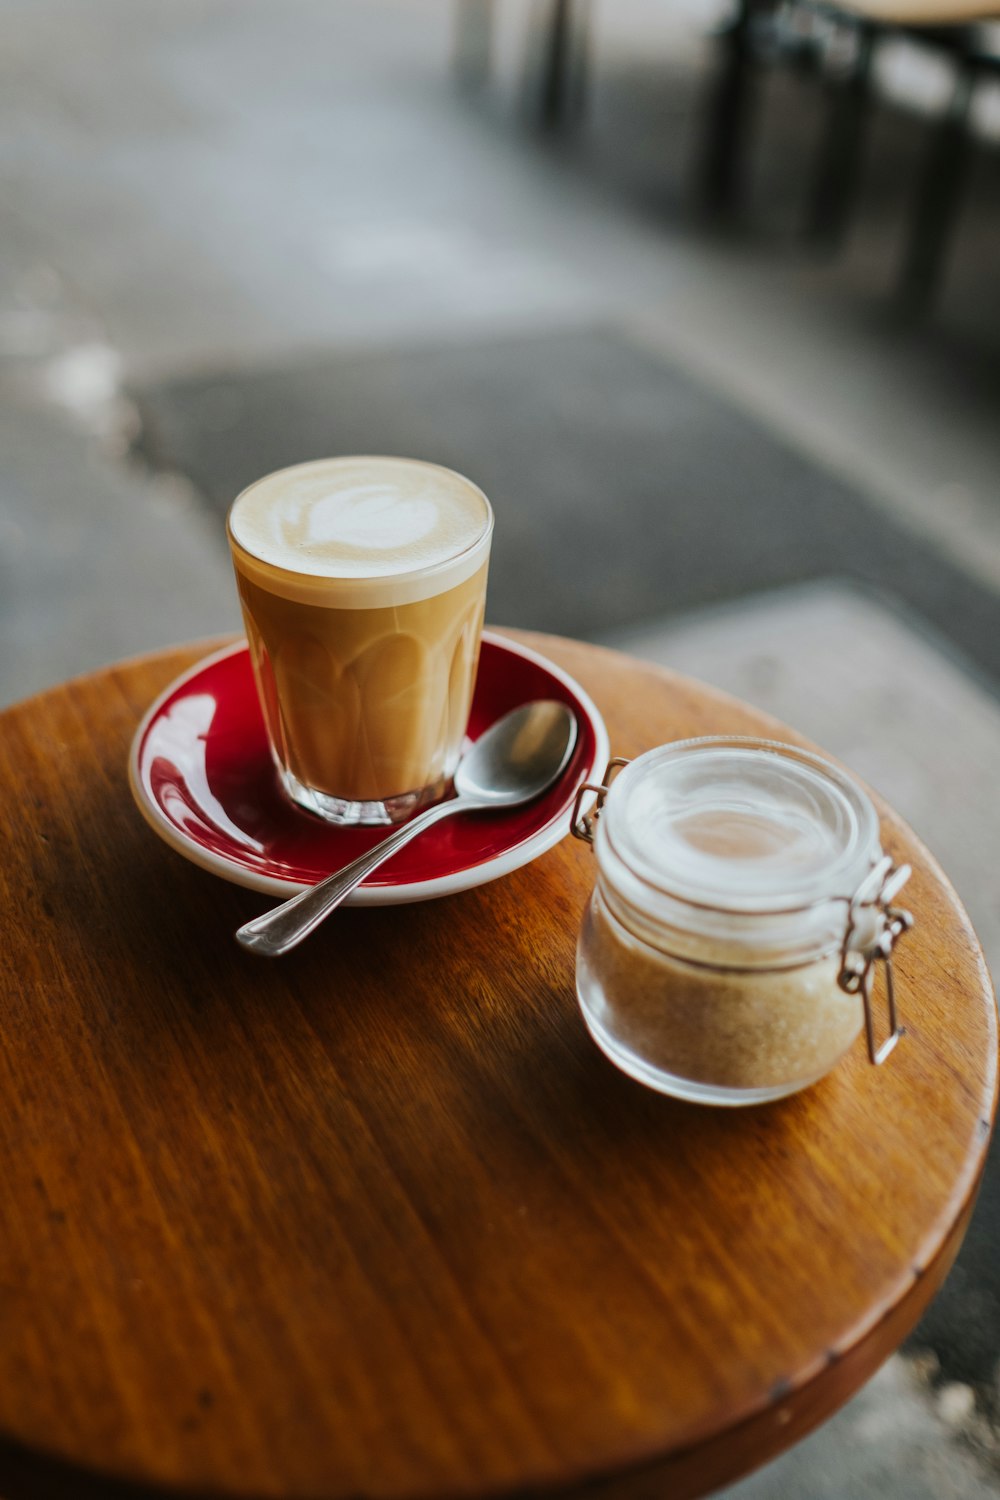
(580, 61)
(841, 150)
(721, 170)
(939, 192)
(472, 45)
(562, 65)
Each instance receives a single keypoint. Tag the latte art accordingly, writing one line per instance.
(367, 520)
(373, 519)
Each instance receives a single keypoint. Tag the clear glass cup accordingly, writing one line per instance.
(363, 587)
(726, 953)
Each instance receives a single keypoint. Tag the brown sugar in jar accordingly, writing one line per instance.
(713, 955)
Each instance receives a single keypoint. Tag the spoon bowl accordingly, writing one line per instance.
(519, 756)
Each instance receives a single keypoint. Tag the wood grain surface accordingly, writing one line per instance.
(921, 12)
(378, 1219)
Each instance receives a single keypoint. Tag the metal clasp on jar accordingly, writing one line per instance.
(581, 823)
(874, 927)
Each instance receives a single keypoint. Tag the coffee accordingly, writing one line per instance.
(363, 584)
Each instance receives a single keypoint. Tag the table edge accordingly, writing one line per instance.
(788, 1414)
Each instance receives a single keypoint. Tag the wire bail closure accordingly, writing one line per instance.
(874, 925)
(879, 925)
(582, 824)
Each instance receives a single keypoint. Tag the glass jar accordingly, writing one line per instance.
(742, 899)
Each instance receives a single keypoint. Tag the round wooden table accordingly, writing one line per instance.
(378, 1219)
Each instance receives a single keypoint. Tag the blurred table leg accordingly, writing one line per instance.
(835, 185)
(939, 193)
(720, 177)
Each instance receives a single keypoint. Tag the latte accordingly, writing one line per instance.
(363, 584)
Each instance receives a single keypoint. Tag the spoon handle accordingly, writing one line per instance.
(284, 926)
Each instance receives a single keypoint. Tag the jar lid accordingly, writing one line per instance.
(748, 825)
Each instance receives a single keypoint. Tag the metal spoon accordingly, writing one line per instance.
(513, 762)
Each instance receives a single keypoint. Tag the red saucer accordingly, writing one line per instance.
(202, 776)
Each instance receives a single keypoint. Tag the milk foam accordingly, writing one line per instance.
(373, 520)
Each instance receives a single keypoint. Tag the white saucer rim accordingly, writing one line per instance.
(387, 895)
